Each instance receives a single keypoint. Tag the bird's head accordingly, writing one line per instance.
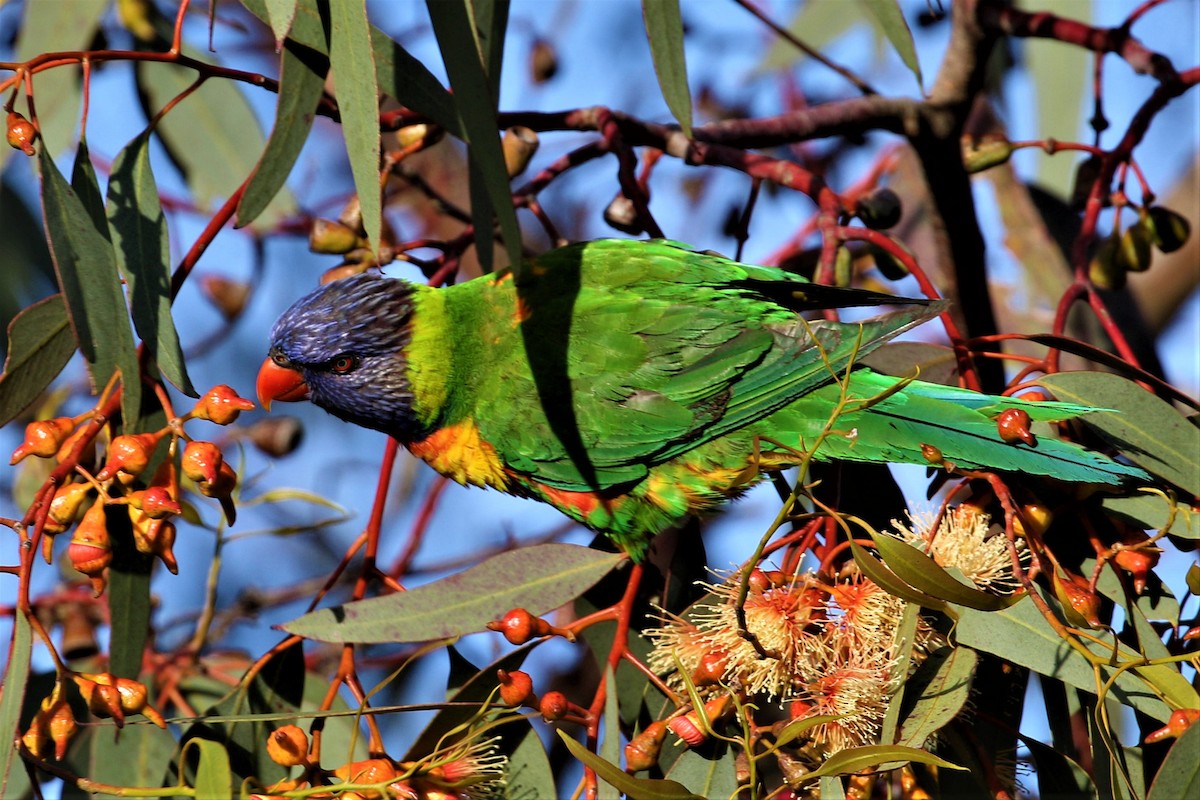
(343, 347)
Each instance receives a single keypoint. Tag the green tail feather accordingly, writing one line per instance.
(959, 423)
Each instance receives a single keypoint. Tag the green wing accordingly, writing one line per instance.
(628, 354)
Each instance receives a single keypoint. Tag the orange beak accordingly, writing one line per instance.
(279, 383)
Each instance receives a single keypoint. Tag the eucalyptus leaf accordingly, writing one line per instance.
(539, 579)
(16, 676)
(633, 788)
(40, 344)
(664, 28)
(888, 15)
(214, 778)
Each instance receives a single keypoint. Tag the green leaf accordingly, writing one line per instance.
(84, 183)
(713, 774)
(1146, 429)
(816, 24)
(1021, 635)
(214, 778)
(879, 573)
(1152, 512)
(135, 755)
(610, 746)
(539, 579)
(138, 231)
(128, 596)
(924, 574)
(1179, 775)
(280, 13)
(529, 775)
(87, 273)
(212, 136)
(887, 15)
(301, 83)
(664, 29)
(397, 73)
(40, 344)
(1059, 777)
(633, 788)
(939, 690)
(856, 759)
(16, 676)
(1193, 579)
(929, 362)
(476, 104)
(352, 65)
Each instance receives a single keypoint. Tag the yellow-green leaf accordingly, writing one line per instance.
(39, 345)
(924, 574)
(888, 16)
(633, 788)
(878, 572)
(664, 28)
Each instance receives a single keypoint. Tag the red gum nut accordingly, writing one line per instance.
(90, 551)
(202, 462)
(157, 503)
(129, 454)
(288, 746)
(1013, 426)
(221, 405)
(642, 752)
(43, 438)
(519, 626)
(516, 688)
(554, 706)
(1177, 723)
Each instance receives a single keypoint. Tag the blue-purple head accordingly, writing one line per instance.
(343, 347)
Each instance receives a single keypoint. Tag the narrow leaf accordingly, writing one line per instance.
(138, 231)
(397, 73)
(16, 675)
(85, 184)
(1147, 430)
(212, 136)
(539, 579)
(924, 574)
(890, 19)
(477, 111)
(1021, 634)
(134, 757)
(40, 344)
(878, 572)
(300, 87)
(87, 273)
(280, 13)
(1153, 512)
(633, 788)
(352, 64)
(664, 28)
(711, 774)
(214, 778)
(857, 759)
(940, 689)
(128, 596)
(610, 747)
(529, 774)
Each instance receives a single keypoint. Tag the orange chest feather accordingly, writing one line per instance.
(458, 452)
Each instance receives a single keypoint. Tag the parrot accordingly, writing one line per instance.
(631, 384)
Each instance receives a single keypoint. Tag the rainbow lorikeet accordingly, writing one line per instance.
(630, 384)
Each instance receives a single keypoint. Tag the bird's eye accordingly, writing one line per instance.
(279, 358)
(344, 363)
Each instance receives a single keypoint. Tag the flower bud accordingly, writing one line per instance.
(1105, 269)
(554, 706)
(932, 454)
(420, 135)
(879, 210)
(102, 697)
(221, 405)
(516, 687)
(371, 770)
(1169, 231)
(202, 461)
(90, 551)
(1080, 604)
(1179, 721)
(711, 669)
(1013, 426)
(643, 750)
(288, 746)
(134, 700)
(981, 154)
(21, 133)
(68, 499)
(43, 438)
(1133, 253)
(343, 270)
(156, 502)
(129, 454)
(519, 626)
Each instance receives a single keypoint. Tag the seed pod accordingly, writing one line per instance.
(157, 502)
(643, 750)
(21, 133)
(277, 436)
(43, 438)
(129, 454)
(1178, 723)
(228, 296)
(1033, 518)
(1104, 270)
(543, 61)
(879, 210)
(134, 700)
(982, 154)
(519, 145)
(1134, 253)
(1168, 230)
(1080, 604)
(711, 669)
(68, 500)
(421, 134)
(332, 237)
(90, 551)
(1013, 426)
(288, 746)
(932, 454)
(519, 626)
(622, 216)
